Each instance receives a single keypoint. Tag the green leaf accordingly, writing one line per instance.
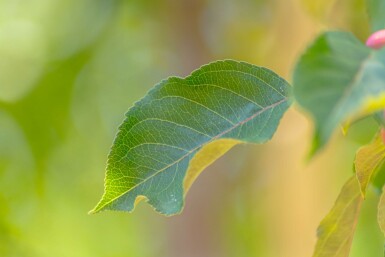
(338, 79)
(368, 159)
(380, 118)
(336, 231)
(184, 124)
(381, 212)
(376, 10)
(379, 179)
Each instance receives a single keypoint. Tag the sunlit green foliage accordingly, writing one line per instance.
(70, 69)
(155, 150)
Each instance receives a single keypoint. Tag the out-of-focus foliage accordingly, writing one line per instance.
(368, 159)
(337, 79)
(381, 212)
(70, 69)
(336, 231)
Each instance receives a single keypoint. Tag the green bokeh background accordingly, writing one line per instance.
(70, 69)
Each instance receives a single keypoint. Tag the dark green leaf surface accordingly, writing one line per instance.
(165, 130)
(376, 11)
(337, 78)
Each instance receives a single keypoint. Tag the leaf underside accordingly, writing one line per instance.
(336, 231)
(184, 124)
(337, 79)
(368, 159)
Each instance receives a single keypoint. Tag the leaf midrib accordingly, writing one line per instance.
(194, 149)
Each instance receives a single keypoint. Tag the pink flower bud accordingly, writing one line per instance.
(376, 40)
